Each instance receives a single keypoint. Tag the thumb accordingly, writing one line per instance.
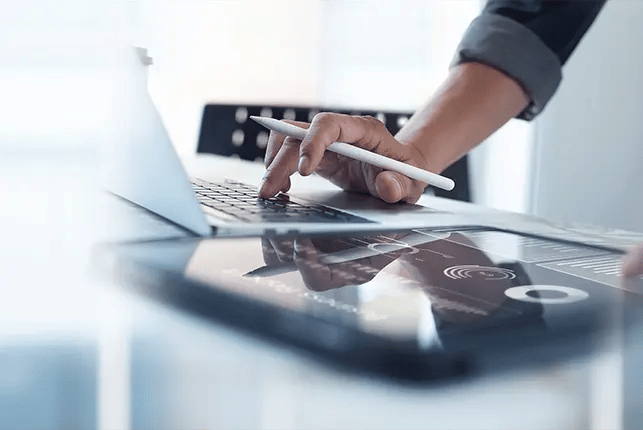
(393, 187)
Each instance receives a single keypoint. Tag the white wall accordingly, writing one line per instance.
(589, 141)
(375, 54)
(229, 51)
(389, 54)
(54, 67)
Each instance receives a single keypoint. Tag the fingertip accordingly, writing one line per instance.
(389, 187)
(626, 268)
(264, 189)
(632, 263)
(304, 165)
(286, 187)
(261, 191)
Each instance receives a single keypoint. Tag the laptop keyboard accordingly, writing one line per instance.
(242, 202)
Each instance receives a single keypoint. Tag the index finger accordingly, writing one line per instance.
(276, 140)
(633, 262)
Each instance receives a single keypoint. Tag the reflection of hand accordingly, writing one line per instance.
(285, 156)
(319, 276)
(310, 258)
(462, 283)
(459, 293)
(277, 251)
(633, 262)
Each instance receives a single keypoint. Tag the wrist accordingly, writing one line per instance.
(473, 102)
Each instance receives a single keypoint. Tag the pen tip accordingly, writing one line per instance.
(255, 118)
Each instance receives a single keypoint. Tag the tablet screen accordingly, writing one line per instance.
(423, 290)
(420, 285)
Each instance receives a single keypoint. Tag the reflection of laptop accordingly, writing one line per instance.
(147, 171)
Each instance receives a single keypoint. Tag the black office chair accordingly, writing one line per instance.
(226, 129)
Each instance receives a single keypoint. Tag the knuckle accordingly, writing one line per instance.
(374, 122)
(374, 125)
(323, 118)
(370, 119)
(363, 127)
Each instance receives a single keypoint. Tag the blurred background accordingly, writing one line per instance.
(579, 162)
(574, 163)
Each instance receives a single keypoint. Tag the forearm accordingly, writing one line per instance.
(529, 41)
(473, 102)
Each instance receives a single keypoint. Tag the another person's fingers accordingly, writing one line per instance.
(633, 262)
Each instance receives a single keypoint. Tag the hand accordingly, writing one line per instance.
(633, 262)
(286, 155)
(309, 257)
(459, 299)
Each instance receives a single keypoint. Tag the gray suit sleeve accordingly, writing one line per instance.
(513, 49)
(529, 41)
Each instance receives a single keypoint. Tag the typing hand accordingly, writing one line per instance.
(286, 155)
(633, 262)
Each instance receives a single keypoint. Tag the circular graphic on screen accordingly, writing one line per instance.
(480, 272)
(546, 294)
(384, 248)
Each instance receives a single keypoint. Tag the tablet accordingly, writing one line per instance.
(411, 305)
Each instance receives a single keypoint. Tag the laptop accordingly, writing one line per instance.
(145, 169)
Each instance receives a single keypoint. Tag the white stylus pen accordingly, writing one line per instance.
(361, 154)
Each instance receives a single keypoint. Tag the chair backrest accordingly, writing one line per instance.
(226, 129)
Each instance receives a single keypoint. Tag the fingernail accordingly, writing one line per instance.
(399, 186)
(303, 164)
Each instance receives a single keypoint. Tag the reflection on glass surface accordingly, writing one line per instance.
(421, 292)
(409, 285)
(406, 297)
(416, 304)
